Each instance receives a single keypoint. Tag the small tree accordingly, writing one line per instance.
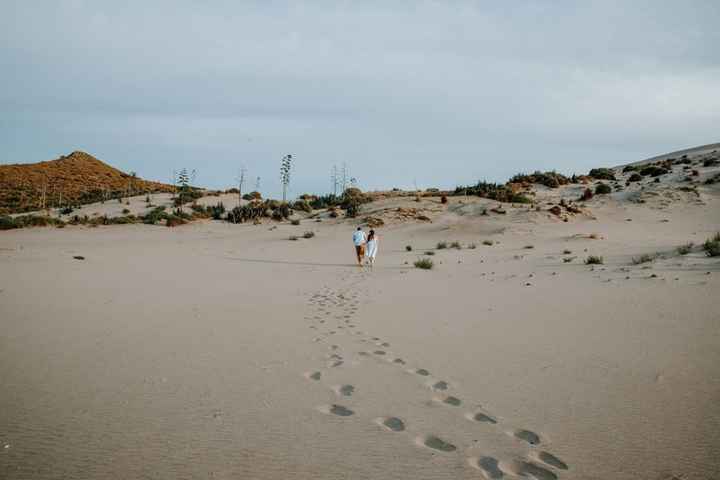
(285, 167)
(241, 182)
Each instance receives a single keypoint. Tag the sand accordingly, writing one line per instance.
(227, 351)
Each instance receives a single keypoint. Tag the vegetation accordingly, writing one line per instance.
(602, 173)
(549, 179)
(635, 177)
(309, 234)
(441, 245)
(493, 191)
(653, 171)
(489, 243)
(685, 249)
(644, 258)
(456, 245)
(712, 246)
(594, 260)
(424, 263)
(587, 195)
(408, 248)
(603, 189)
(430, 252)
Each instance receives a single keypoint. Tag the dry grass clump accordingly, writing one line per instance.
(441, 245)
(685, 249)
(472, 246)
(567, 252)
(645, 258)
(594, 260)
(309, 234)
(456, 245)
(293, 238)
(489, 243)
(429, 252)
(408, 248)
(529, 247)
(424, 264)
(295, 222)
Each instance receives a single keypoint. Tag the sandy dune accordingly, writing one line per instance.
(226, 351)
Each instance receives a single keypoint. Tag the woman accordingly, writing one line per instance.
(372, 247)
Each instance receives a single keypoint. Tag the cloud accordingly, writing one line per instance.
(435, 92)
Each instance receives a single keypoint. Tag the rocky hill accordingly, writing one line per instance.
(75, 179)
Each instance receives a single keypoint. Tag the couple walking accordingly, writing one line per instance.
(365, 246)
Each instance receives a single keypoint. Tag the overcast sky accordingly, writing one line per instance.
(438, 93)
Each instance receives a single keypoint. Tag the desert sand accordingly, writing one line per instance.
(222, 351)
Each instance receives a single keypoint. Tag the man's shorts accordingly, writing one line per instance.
(360, 250)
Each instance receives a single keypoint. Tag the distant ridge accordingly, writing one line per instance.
(702, 149)
(77, 178)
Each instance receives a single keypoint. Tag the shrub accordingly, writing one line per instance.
(472, 246)
(549, 179)
(303, 206)
(125, 211)
(653, 171)
(630, 168)
(293, 237)
(594, 260)
(711, 162)
(567, 252)
(408, 248)
(295, 222)
(456, 245)
(603, 189)
(443, 199)
(67, 210)
(489, 243)
(712, 246)
(644, 258)
(529, 247)
(635, 177)
(424, 263)
(493, 191)
(154, 216)
(685, 249)
(308, 234)
(7, 223)
(251, 196)
(587, 195)
(430, 252)
(602, 173)
(441, 245)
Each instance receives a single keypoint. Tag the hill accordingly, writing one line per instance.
(78, 178)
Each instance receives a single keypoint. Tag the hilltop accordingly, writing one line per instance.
(78, 178)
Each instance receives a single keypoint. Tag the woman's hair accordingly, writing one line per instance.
(372, 235)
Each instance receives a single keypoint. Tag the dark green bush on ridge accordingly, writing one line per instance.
(603, 189)
(602, 173)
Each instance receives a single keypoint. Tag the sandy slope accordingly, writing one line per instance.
(194, 352)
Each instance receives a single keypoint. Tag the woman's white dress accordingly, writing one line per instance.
(371, 250)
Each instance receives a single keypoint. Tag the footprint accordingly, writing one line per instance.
(483, 418)
(450, 400)
(550, 459)
(313, 375)
(437, 443)
(345, 390)
(489, 467)
(335, 363)
(335, 409)
(527, 436)
(392, 423)
(399, 361)
(522, 468)
(422, 371)
(441, 385)
(379, 352)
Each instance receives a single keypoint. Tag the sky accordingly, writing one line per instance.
(405, 93)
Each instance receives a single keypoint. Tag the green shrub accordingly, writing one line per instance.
(653, 171)
(472, 246)
(712, 246)
(424, 263)
(308, 234)
(549, 179)
(295, 222)
(630, 168)
(408, 248)
(430, 252)
(489, 243)
(125, 211)
(711, 162)
(441, 245)
(456, 245)
(602, 173)
(7, 223)
(594, 260)
(603, 189)
(635, 177)
(685, 249)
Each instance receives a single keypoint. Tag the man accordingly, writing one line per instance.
(359, 241)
